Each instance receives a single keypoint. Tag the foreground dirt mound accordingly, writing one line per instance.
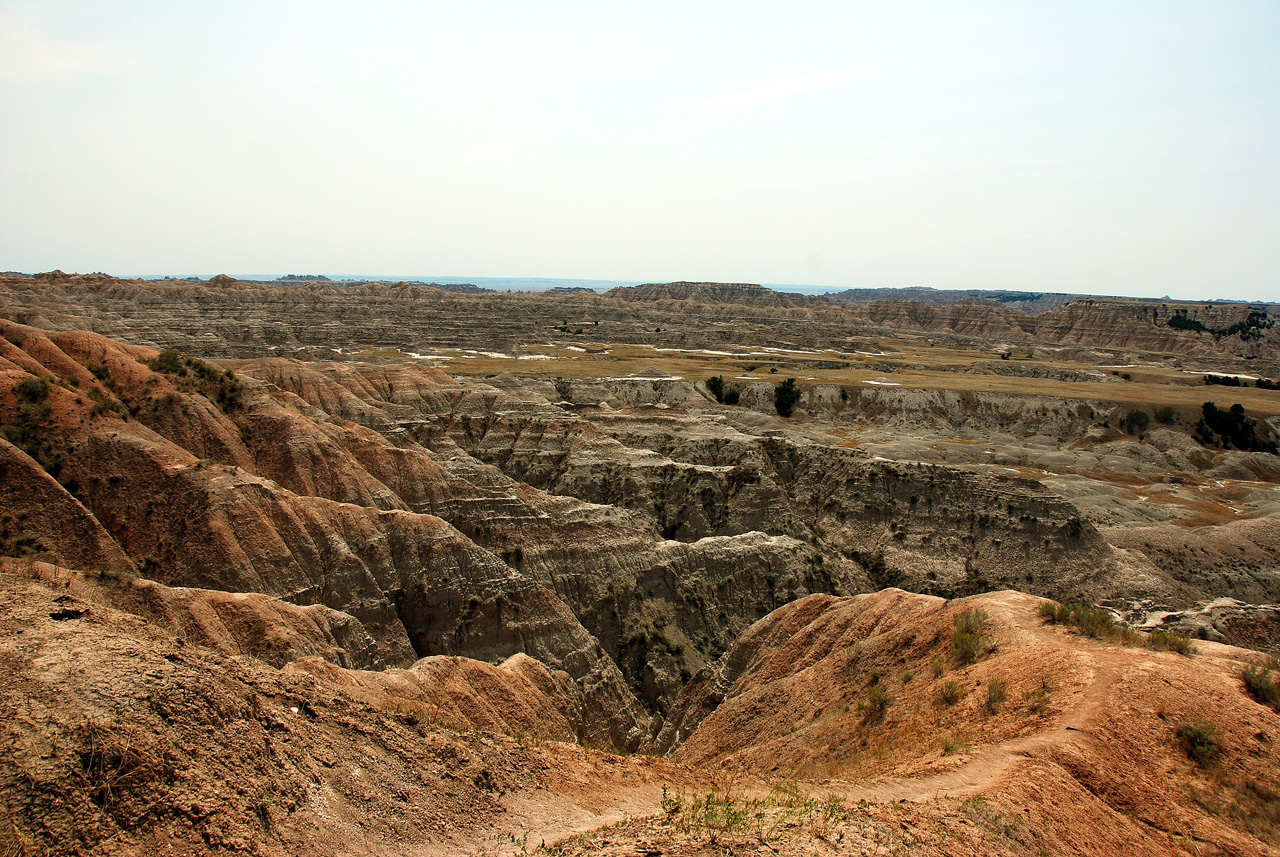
(122, 738)
(1089, 746)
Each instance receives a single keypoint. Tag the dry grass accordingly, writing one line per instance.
(921, 368)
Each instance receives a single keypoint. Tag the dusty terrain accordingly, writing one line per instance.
(517, 567)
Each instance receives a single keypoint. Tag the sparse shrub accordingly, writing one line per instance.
(997, 692)
(966, 638)
(1262, 685)
(1201, 740)
(194, 375)
(1165, 415)
(1169, 641)
(937, 666)
(907, 676)
(873, 708)
(950, 693)
(32, 389)
(168, 361)
(1037, 700)
(1090, 621)
(965, 647)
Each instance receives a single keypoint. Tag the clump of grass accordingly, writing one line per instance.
(997, 692)
(720, 811)
(937, 666)
(950, 693)
(907, 676)
(873, 708)
(951, 745)
(1037, 700)
(1262, 685)
(1201, 740)
(966, 637)
(1171, 642)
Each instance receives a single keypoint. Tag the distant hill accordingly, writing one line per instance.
(1032, 303)
(733, 293)
(464, 288)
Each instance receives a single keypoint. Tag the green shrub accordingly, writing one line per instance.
(1262, 685)
(965, 648)
(1090, 621)
(192, 374)
(966, 638)
(873, 708)
(1201, 740)
(32, 390)
(1169, 641)
(168, 361)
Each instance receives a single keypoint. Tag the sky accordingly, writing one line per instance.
(1124, 148)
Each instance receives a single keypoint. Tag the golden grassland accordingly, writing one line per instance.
(908, 363)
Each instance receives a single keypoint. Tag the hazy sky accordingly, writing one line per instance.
(1118, 148)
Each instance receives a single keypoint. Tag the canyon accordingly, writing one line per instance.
(388, 568)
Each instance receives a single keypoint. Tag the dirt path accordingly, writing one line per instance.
(548, 817)
(986, 765)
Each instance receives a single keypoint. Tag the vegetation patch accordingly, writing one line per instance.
(1263, 684)
(1092, 622)
(1250, 329)
(1231, 429)
(1200, 739)
(997, 693)
(192, 374)
(1171, 642)
(873, 708)
(721, 811)
(785, 396)
(724, 395)
(949, 693)
(967, 641)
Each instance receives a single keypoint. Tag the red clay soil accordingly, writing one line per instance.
(122, 737)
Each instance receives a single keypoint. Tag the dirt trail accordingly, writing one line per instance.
(608, 805)
(986, 765)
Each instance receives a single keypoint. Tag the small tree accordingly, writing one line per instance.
(715, 386)
(785, 396)
(1136, 421)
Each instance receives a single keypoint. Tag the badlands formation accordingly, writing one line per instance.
(384, 568)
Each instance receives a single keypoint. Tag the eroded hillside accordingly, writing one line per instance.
(404, 573)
